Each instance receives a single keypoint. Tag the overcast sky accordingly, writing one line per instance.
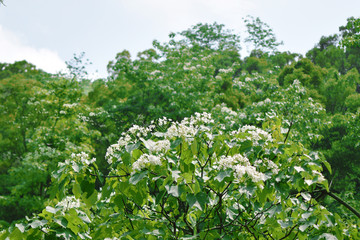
(48, 32)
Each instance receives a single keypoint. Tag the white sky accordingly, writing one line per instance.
(48, 32)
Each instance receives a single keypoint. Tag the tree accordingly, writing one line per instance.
(39, 127)
(351, 41)
(327, 53)
(260, 34)
(305, 71)
(191, 179)
(210, 36)
(351, 33)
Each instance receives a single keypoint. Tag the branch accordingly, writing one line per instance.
(111, 176)
(288, 132)
(344, 203)
(288, 234)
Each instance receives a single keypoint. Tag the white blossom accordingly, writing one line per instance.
(69, 202)
(158, 146)
(229, 161)
(144, 160)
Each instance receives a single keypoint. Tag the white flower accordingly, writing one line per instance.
(229, 161)
(144, 160)
(227, 110)
(256, 134)
(69, 202)
(274, 168)
(159, 146)
(251, 172)
(83, 157)
(67, 105)
(267, 101)
(226, 70)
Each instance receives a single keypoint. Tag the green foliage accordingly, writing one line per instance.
(327, 54)
(254, 64)
(352, 102)
(350, 33)
(303, 70)
(250, 166)
(77, 66)
(193, 178)
(337, 88)
(260, 34)
(39, 127)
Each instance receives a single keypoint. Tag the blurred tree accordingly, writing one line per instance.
(305, 71)
(77, 66)
(351, 41)
(255, 64)
(336, 89)
(351, 33)
(327, 54)
(210, 36)
(260, 34)
(20, 67)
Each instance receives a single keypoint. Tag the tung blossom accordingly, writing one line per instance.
(144, 160)
(159, 146)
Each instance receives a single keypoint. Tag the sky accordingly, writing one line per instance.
(47, 33)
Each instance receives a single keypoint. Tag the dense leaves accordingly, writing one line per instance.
(185, 141)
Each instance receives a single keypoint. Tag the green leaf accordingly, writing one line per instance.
(129, 148)
(328, 166)
(16, 234)
(174, 190)
(192, 201)
(51, 210)
(223, 174)
(194, 147)
(76, 190)
(87, 186)
(306, 196)
(61, 221)
(199, 200)
(38, 223)
(203, 199)
(136, 153)
(137, 177)
(21, 226)
(328, 236)
(176, 143)
(90, 201)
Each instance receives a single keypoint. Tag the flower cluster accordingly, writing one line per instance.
(250, 171)
(158, 146)
(256, 134)
(145, 160)
(188, 127)
(68, 202)
(241, 166)
(76, 159)
(230, 161)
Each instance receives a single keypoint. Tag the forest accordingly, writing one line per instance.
(187, 140)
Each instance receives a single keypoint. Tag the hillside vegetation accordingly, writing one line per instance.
(187, 140)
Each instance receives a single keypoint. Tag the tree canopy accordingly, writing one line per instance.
(185, 141)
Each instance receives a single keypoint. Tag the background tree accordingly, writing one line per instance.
(327, 53)
(260, 34)
(350, 33)
(351, 41)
